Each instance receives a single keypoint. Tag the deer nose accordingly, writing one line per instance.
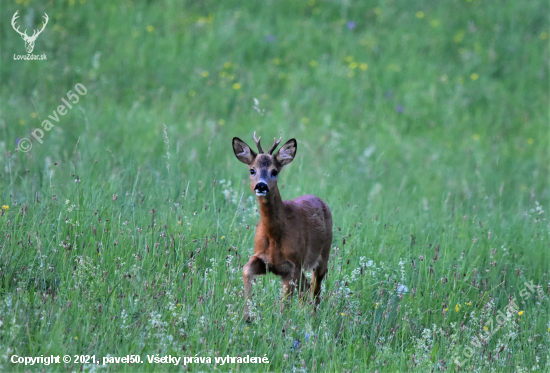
(261, 189)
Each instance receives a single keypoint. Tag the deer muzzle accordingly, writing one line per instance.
(261, 189)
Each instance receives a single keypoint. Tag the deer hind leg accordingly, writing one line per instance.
(254, 267)
(318, 275)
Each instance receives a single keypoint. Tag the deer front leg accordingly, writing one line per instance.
(254, 267)
(287, 271)
(297, 281)
(304, 287)
(318, 276)
(289, 284)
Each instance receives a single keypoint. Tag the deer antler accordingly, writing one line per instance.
(257, 141)
(274, 146)
(15, 16)
(24, 34)
(43, 27)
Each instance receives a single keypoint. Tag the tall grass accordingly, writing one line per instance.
(423, 126)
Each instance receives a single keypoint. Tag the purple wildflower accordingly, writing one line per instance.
(270, 38)
(351, 25)
(399, 109)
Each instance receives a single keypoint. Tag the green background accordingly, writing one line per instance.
(422, 124)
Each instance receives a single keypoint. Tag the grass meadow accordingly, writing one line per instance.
(423, 125)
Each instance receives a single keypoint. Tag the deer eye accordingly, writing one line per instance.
(252, 171)
(274, 173)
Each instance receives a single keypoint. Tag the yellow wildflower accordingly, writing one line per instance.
(236, 86)
(5, 207)
(420, 14)
(520, 313)
(150, 28)
(363, 66)
(474, 76)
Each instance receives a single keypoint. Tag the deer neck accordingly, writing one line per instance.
(272, 212)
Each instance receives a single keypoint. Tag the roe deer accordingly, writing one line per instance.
(292, 235)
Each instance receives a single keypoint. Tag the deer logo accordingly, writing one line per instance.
(29, 40)
(292, 236)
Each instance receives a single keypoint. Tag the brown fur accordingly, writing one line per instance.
(291, 236)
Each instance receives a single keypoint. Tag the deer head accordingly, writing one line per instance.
(29, 40)
(264, 168)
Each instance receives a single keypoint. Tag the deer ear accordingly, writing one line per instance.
(243, 151)
(286, 154)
